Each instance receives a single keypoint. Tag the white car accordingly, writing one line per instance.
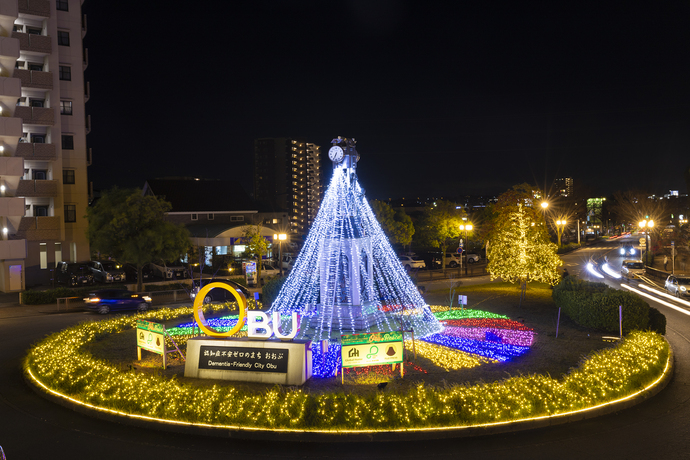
(410, 262)
(678, 285)
(632, 269)
(169, 270)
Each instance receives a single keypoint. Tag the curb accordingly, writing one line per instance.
(239, 432)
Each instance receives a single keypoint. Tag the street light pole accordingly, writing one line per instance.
(466, 227)
(280, 237)
(646, 224)
(560, 226)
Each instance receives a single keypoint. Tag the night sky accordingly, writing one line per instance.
(442, 101)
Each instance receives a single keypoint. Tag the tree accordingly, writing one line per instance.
(257, 245)
(521, 250)
(440, 224)
(131, 228)
(396, 224)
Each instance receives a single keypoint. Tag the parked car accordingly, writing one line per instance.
(453, 259)
(169, 270)
(678, 285)
(218, 295)
(131, 272)
(106, 271)
(632, 269)
(410, 262)
(268, 271)
(73, 274)
(471, 257)
(104, 301)
(288, 262)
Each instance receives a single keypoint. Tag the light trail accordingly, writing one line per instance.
(656, 299)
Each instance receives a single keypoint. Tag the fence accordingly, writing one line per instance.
(430, 275)
(157, 298)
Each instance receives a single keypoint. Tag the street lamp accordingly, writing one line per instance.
(467, 228)
(560, 226)
(280, 237)
(646, 224)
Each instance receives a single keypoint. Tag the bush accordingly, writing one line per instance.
(568, 247)
(51, 295)
(272, 289)
(595, 305)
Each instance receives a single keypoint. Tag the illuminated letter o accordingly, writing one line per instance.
(199, 314)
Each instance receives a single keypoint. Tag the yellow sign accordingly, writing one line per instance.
(199, 314)
(372, 354)
(149, 338)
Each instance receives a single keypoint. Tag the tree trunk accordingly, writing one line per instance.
(140, 277)
(523, 289)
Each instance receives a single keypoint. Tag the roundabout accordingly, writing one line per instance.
(609, 380)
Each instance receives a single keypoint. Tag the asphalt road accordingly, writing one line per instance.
(34, 428)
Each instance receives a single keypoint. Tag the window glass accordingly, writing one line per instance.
(68, 176)
(44, 255)
(67, 142)
(66, 107)
(62, 5)
(63, 38)
(70, 213)
(65, 73)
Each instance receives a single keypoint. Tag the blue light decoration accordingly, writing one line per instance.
(347, 278)
(501, 352)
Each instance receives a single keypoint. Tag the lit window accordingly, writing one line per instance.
(66, 107)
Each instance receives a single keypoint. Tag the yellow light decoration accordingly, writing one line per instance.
(59, 364)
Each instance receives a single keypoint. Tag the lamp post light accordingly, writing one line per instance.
(467, 228)
(280, 237)
(560, 226)
(647, 225)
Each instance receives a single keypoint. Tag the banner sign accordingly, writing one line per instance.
(244, 359)
(151, 336)
(373, 349)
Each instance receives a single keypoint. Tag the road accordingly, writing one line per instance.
(34, 428)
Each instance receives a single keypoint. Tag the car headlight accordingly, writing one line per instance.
(109, 277)
(682, 288)
(622, 251)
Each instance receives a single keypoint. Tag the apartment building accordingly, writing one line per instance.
(43, 127)
(288, 176)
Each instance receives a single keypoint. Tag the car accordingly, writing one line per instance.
(628, 249)
(105, 301)
(410, 262)
(288, 262)
(678, 285)
(106, 271)
(632, 269)
(132, 275)
(218, 295)
(453, 259)
(73, 274)
(471, 257)
(169, 270)
(268, 271)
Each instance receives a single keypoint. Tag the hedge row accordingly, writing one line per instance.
(595, 305)
(51, 295)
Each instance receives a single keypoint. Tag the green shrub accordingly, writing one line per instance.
(272, 289)
(568, 247)
(595, 305)
(32, 297)
(657, 321)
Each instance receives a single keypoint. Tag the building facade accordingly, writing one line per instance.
(43, 126)
(288, 177)
(564, 186)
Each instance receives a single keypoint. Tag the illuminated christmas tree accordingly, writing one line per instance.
(347, 278)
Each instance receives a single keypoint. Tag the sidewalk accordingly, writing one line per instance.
(11, 308)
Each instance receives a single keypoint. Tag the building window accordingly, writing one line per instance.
(34, 30)
(39, 174)
(68, 176)
(210, 217)
(66, 107)
(236, 218)
(58, 252)
(63, 38)
(44, 255)
(67, 142)
(195, 217)
(38, 138)
(61, 5)
(65, 73)
(70, 213)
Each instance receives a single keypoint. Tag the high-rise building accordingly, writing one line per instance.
(564, 186)
(287, 177)
(43, 127)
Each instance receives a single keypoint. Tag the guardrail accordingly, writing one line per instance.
(165, 297)
(429, 275)
(67, 302)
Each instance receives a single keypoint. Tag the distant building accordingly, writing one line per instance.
(215, 212)
(43, 126)
(288, 177)
(564, 186)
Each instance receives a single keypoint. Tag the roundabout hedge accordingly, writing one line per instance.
(60, 366)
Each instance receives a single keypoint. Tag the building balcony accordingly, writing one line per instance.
(39, 228)
(34, 78)
(34, 7)
(13, 249)
(31, 151)
(12, 206)
(11, 166)
(35, 115)
(36, 43)
(38, 188)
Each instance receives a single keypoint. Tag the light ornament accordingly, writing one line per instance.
(388, 298)
(60, 365)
